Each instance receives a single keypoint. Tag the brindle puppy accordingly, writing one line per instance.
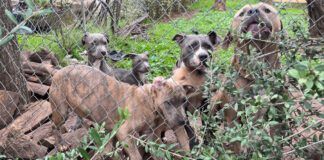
(94, 95)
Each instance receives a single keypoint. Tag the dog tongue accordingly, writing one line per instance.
(254, 29)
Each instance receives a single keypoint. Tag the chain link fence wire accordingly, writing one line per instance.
(151, 118)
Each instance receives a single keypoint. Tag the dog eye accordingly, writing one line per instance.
(184, 100)
(104, 42)
(241, 14)
(267, 10)
(194, 45)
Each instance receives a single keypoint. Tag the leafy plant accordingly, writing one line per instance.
(96, 142)
(28, 14)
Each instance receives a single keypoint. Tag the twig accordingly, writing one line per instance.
(315, 143)
(164, 150)
(302, 130)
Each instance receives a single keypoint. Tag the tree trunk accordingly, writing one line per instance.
(11, 76)
(116, 10)
(316, 20)
(219, 5)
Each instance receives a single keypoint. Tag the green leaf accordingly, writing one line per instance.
(6, 40)
(95, 136)
(293, 73)
(320, 67)
(0, 31)
(28, 13)
(319, 85)
(309, 84)
(302, 66)
(321, 76)
(321, 115)
(307, 105)
(30, 4)
(26, 29)
(44, 12)
(84, 153)
(302, 81)
(11, 16)
(59, 156)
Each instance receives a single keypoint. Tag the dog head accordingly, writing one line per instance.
(170, 98)
(96, 44)
(140, 62)
(261, 20)
(196, 49)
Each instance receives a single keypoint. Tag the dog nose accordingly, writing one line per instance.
(203, 57)
(103, 53)
(253, 11)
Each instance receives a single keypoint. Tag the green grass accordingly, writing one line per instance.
(163, 51)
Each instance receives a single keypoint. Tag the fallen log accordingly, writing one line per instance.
(127, 30)
(74, 138)
(37, 88)
(9, 103)
(36, 113)
(41, 132)
(39, 68)
(16, 145)
(37, 79)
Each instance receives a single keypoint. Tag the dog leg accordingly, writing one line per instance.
(59, 115)
(59, 118)
(131, 149)
(183, 138)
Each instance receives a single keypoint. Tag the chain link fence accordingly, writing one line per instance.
(65, 65)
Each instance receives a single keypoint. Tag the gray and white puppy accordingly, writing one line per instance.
(137, 75)
(96, 45)
(96, 48)
(196, 50)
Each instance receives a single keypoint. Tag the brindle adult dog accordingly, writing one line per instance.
(94, 95)
(263, 23)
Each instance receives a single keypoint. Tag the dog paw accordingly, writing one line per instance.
(64, 147)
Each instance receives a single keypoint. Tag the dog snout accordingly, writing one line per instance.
(103, 53)
(253, 11)
(203, 57)
(146, 65)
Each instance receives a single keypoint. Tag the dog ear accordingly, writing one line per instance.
(158, 83)
(131, 55)
(189, 89)
(106, 36)
(179, 38)
(146, 53)
(227, 40)
(214, 39)
(83, 40)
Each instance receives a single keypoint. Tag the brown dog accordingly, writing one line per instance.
(96, 96)
(263, 23)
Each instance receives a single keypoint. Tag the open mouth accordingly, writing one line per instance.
(259, 30)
